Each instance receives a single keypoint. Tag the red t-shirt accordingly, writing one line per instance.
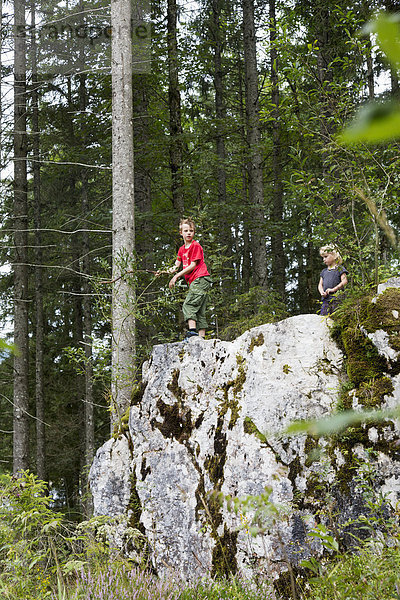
(189, 255)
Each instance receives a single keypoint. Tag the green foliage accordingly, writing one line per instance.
(370, 574)
(374, 123)
(32, 538)
(41, 551)
(233, 589)
(257, 513)
(6, 347)
(41, 558)
(339, 422)
(100, 361)
(357, 572)
(253, 308)
(378, 122)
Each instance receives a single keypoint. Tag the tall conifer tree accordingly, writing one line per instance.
(20, 262)
(123, 317)
(254, 151)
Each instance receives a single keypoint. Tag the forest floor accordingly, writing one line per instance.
(44, 556)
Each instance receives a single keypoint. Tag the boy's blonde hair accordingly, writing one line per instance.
(189, 222)
(331, 250)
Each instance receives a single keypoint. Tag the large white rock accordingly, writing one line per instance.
(110, 482)
(211, 419)
(392, 282)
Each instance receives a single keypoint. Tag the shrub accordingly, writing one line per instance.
(32, 539)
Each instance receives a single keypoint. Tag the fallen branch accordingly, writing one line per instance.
(380, 217)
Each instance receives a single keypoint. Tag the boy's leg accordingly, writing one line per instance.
(201, 317)
(201, 313)
(194, 306)
(192, 325)
(191, 331)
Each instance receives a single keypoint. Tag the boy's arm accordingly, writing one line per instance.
(171, 269)
(175, 267)
(184, 271)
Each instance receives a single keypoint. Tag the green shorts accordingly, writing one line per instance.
(195, 303)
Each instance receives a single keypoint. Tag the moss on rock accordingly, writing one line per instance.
(177, 421)
(256, 341)
(215, 463)
(371, 393)
(174, 386)
(363, 316)
(368, 381)
(137, 393)
(236, 385)
(134, 509)
(381, 314)
(250, 428)
(224, 562)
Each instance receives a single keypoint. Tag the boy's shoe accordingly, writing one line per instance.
(189, 335)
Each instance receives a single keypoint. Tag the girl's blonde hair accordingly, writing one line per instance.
(189, 222)
(331, 250)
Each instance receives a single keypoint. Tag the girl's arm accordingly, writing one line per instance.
(343, 282)
(321, 287)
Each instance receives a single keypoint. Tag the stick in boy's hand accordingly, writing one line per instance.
(163, 271)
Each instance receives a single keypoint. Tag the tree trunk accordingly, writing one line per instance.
(144, 238)
(323, 31)
(216, 35)
(21, 340)
(254, 162)
(87, 341)
(368, 57)
(88, 412)
(245, 193)
(1, 79)
(123, 298)
(220, 112)
(141, 139)
(278, 255)
(77, 479)
(39, 331)
(370, 71)
(310, 277)
(174, 99)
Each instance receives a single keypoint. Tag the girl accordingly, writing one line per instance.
(332, 279)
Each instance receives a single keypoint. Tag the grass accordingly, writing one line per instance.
(122, 582)
(372, 573)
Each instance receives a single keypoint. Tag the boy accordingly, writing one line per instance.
(332, 279)
(194, 269)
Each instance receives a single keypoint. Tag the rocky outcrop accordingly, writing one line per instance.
(209, 429)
